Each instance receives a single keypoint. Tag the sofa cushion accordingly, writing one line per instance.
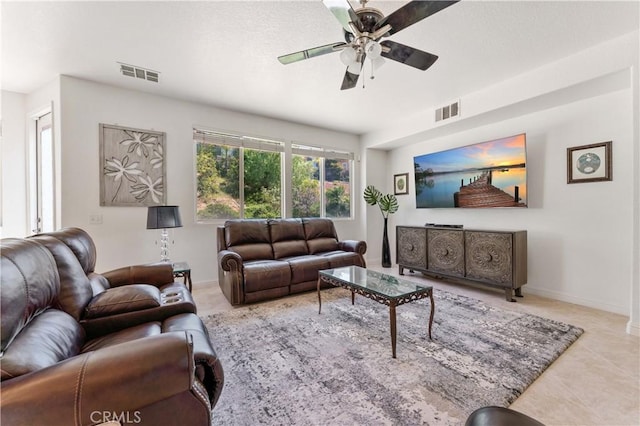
(266, 274)
(284, 249)
(319, 245)
(319, 228)
(305, 268)
(75, 288)
(247, 231)
(122, 336)
(30, 285)
(339, 258)
(82, 245)
(286, 230)
(49, 338)
(119, 300)
(253, 251)
(287, 238)
(320, 234)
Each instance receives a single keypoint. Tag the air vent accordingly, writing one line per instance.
(139, 72)
(448, 111)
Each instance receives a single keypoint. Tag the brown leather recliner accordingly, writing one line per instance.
(125, 296)
(158, 371)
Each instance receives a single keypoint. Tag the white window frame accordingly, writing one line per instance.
(34, 167)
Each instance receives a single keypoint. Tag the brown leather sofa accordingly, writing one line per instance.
(159, 369)
(265, 259)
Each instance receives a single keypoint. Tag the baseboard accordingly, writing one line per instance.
(633, 328)
(596, 304)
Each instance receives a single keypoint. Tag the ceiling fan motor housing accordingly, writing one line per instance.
(369, 17)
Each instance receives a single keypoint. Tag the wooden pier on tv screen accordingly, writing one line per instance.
(481, 193)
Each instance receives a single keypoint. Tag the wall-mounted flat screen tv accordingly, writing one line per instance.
(486, 174)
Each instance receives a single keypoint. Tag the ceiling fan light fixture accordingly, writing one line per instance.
(355, 68)
(373, 49)
(348, 56)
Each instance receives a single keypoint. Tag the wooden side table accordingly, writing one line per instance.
(183, 270)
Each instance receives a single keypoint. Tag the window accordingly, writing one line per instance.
(237, 177)
(218, 190)
(337, 187)
(242, 177)
(314, 169)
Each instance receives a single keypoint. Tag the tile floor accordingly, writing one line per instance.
(595, 382)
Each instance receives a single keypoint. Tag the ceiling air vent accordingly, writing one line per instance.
(448, 111)
(138, 72)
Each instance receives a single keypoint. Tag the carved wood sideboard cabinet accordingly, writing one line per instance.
(496, 258)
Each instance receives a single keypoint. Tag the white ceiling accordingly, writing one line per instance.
(223, 53)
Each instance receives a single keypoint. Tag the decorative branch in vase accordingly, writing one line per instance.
(388, 204)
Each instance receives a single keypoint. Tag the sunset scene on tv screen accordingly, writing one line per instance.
(487, 174)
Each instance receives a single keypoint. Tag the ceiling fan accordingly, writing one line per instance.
(363, 28)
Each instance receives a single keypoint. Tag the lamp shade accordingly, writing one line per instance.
(161, 217)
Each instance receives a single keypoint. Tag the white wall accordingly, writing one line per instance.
(376, 172)
(581, 237)
(14, 159)
(122, 238)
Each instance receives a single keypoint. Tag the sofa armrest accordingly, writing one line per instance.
(229, 260)
(359, 247)
(208, 367)
(123, 378)
(230, 276)
(157, 274)
(120, 300)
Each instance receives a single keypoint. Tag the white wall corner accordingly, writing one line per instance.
(633, 329)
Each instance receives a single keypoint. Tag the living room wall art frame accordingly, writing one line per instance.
(401, 184)
(589, 163)
(132, 167)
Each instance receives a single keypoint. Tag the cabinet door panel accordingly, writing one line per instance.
(489, 256)
(446, 251)
(411, 247)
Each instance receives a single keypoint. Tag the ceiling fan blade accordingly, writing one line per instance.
(350, 80)
(344, 13)
(407, 55)
(311, 53)
(413, 12)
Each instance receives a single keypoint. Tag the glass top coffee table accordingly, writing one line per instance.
(382, 288)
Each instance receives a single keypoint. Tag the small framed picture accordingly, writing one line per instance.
(401, 184)
(589, 163)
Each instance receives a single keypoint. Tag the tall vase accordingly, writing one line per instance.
(386, 254)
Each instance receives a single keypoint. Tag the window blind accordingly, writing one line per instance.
(218, 138)
(310, 151)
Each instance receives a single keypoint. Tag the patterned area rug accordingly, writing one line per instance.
(286, 365)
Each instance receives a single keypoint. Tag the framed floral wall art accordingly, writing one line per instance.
(132, 167)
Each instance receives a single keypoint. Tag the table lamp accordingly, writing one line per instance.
(163, 217)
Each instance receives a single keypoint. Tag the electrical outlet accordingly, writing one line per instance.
(95, 219)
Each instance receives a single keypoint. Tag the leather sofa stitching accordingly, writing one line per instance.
(78, 394)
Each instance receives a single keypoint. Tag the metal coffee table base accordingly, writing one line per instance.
(392, 303)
